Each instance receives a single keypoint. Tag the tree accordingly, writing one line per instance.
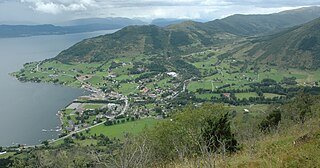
(68, 141)
(304, 102)
(217, 134)
(271, 121)
(108, 123)
(45, 143)
(267, 82)
(299, 109)
(158, 110)
(6, 163)
(289, 80)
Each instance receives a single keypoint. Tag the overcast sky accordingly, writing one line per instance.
(55, 11)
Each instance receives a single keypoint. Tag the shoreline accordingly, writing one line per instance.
(59, 113)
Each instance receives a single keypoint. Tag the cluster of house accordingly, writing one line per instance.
(110, 111)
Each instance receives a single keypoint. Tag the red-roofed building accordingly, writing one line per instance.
(227, 95)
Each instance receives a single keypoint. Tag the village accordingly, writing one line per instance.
(136, 88)
(100, 106)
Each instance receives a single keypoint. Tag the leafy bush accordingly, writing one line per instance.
(191, 131)
(289, 80)
(217, 134)
(271, 121)
(156, 67)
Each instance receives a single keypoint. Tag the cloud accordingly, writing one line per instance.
(160, 8)
(205, 3)
(59, 6)
(53, 11)
(125, 8)
(274, 3)
(160, 3)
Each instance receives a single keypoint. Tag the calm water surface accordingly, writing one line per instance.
(27, 108)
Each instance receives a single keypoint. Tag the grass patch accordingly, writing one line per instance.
(8, 154)
(86, 142)
(193, 86)
(271, 95)
(246, 95)
(127, 88)
(117, 131)
(92, 106)
(206, 96)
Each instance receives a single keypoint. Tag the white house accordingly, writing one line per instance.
(173, 74)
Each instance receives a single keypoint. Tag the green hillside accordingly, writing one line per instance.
(183, 38)
(251, 25)
(298, 47)
(142, 40)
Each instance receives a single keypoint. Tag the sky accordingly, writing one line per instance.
(57, 11)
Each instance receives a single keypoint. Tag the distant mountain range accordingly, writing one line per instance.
(113, 21)
(74, 26)
(30, 30)
(78, 26)
(185, 37)
(241, 25)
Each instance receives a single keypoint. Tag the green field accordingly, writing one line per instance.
(127, 88)
(193, 86)
(119, 130)
(207, 96)
(246, 95)
(270, 95)
(86, 142)
(92, 106)
(8, 154)
(95, 80)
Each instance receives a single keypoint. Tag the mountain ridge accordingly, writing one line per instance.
(76, 26)
(181, 38)
(146, 40)
(259, 24)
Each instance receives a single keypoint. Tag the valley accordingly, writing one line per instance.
(242, 91)
(127, 89)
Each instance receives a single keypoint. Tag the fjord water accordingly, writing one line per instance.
(27, 108)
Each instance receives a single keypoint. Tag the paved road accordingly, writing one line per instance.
(184, 87)
(126, 106)
(74, 132)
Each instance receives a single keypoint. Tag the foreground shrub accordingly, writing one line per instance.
(192, 132)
